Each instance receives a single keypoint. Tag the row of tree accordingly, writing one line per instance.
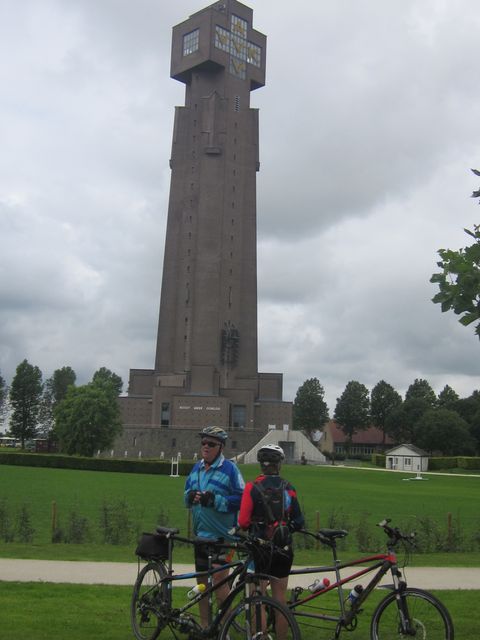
(79, 419)
(445, 424)
(83, 419)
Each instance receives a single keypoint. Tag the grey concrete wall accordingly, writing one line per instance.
(150, 442)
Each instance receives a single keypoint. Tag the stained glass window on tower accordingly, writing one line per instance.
(254, 54)
(190, 42)
(239, 47)
(238, 68)
(222, 39)
(239, 26)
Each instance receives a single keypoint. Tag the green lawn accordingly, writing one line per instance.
(330, 495)
(77, 612)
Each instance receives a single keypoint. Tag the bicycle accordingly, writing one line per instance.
(254, 617)
(404, 613)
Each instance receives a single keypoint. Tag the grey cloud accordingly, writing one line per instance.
(367, 126)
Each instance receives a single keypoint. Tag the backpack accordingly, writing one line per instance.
(274, 517)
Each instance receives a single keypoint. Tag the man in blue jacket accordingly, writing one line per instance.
(213, 492)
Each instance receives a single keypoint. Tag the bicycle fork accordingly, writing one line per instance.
(399, 587)
(255, 616)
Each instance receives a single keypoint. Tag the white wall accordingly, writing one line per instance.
(301, 445)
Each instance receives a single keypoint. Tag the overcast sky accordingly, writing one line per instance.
(369, 125)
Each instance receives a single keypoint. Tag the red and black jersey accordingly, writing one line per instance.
(252, 507)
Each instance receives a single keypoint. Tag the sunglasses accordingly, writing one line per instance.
(209, 443)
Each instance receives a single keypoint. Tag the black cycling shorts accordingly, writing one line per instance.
(201, 557)
(276, 564)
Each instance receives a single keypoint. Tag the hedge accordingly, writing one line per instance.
(453, 462)
(119, 465)
(378, 459)
(468, 463)
(447, 462)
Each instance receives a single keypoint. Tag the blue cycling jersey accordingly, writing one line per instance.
(225, 481)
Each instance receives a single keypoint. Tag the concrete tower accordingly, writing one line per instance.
(206, 368)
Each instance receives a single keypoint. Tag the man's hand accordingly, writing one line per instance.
(207, 499)
(193, 496)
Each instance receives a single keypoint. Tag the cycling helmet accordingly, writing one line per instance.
(270, 453)
(214, 432)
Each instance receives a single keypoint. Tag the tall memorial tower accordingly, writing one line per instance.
(206, 369)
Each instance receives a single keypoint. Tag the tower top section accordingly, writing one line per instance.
(218, 37)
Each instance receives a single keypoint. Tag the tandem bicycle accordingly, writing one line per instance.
(404, 613)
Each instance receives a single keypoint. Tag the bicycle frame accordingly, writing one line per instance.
(239, 571)
(211, 588)
(382, 564)
(405, 612)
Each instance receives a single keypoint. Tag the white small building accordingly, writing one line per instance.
(406, 457)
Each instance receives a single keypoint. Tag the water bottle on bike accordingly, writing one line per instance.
(199, 588)
(319, 584)
(353, 596)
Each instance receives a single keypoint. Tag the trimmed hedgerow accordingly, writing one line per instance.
(378, 459)
(434, 464)
(468, 463)
(93, 464)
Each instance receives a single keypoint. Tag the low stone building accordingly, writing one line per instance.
(364, 441)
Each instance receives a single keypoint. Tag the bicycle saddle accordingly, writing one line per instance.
(199, 540)
(332, 534)
(166, 531)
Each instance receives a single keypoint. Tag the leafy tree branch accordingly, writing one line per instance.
(459, 280)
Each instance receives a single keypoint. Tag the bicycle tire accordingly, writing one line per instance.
(266, 614)
(429, 617)
(150, 604)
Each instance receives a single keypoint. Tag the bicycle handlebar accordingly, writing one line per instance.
(247, 539)
(394, 534)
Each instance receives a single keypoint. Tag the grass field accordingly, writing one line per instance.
(341, 496)
(78, 612)
(335, 496)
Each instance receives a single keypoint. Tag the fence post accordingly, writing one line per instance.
(317, 522)
(54, 518)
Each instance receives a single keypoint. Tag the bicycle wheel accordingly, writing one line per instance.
(260, 618)
(427, 616)
(150, 605)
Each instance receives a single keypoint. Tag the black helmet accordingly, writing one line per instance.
(270, 453)
(214, 432)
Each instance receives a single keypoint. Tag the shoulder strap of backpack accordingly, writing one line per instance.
(265, 502)
(283, 489)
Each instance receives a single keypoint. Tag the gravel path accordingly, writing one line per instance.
(124, 573)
